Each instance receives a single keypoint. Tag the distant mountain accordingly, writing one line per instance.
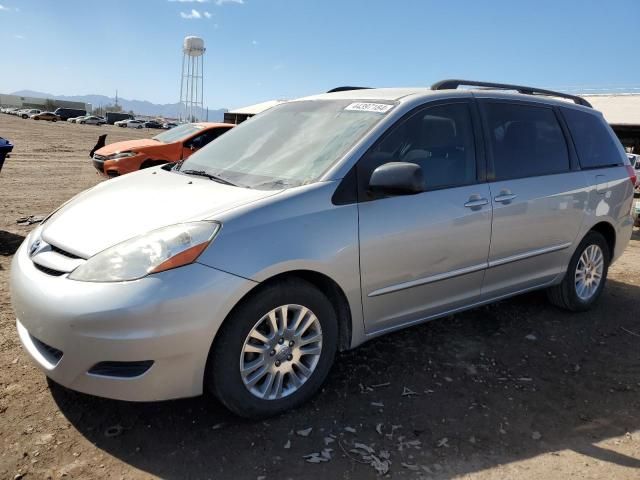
(140, 107)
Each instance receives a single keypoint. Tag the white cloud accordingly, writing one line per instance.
(254, 42)
(2, 7)
(222, 2)
(194, 14)
(190, 1)
(19, 37)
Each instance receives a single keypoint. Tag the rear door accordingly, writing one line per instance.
(425, 254)
(537, 191)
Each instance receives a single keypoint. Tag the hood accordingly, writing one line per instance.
(122, 208)
(134, 145)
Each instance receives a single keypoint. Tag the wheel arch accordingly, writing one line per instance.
(149, 162)
(326, 285)
(609, 233)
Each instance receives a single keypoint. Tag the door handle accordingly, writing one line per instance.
(475, 202)
(504, 197)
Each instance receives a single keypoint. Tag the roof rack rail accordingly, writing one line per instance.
(453, 84)
(344, 89)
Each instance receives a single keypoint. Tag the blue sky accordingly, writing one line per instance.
(263, 49)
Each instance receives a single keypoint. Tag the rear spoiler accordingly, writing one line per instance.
(101, 143)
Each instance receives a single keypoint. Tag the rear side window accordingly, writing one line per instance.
(594, 143)
(526, 141)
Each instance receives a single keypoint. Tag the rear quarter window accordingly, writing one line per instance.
(595, 143)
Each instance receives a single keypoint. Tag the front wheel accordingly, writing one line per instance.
(586, 276)
(274, 351)
(54, 120)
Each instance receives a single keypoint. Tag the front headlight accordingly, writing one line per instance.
(157, 251)
(121, 155)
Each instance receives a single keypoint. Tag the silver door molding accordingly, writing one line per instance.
(430, 279)
(471, 269)
(529, 254)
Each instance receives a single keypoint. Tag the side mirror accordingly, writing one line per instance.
(397, 178)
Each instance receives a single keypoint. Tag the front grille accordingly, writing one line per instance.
(51, 354)
(64, 252)
(48, 271)
(121, 369)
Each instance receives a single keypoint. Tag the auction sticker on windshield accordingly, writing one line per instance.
(369, 107)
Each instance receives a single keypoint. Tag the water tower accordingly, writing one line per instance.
(192, 79)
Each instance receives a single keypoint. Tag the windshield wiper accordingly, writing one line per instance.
(274, 183)
(202, 173)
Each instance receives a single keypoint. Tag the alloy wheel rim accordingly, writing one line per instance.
(281, 352)
(589, 271)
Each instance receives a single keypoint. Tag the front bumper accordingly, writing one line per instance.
(117, 167)
(171, 318)
(98, 163)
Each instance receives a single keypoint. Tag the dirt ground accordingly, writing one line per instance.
(516, 390)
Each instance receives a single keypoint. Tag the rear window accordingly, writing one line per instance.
(178, 133)
(526, 141)
(596, 145)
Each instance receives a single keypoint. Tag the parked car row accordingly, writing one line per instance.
(79, 116)
(137, 123)
(21, 112)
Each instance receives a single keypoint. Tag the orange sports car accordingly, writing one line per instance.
(168, 147)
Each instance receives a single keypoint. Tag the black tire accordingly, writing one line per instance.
(223, 377)
(54, 120)
(139, 127)
(565, 295)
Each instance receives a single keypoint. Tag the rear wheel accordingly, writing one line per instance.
(54, 120)
(274, 351)
(586, 276)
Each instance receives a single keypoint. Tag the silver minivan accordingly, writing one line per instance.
(314, 227)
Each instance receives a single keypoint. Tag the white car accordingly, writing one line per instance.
(130, 123)
(91, 120)
(77, 119)
(26, 113)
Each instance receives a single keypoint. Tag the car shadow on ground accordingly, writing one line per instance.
(9, 243)
(487, 387)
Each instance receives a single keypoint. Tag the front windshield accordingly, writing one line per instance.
(289, 145)
(178, 133)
